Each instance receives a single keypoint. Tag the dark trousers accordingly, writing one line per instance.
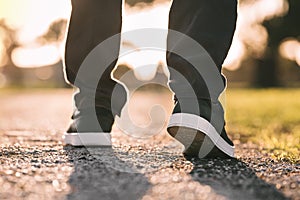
(210, 22)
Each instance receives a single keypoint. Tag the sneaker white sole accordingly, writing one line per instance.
(199, 123)
(87, 139)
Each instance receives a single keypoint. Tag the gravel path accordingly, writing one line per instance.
(35, 165)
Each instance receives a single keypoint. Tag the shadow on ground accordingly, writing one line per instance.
(233, 179)
(106, 173)
(99, 174)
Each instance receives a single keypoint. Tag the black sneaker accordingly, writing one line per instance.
(85, 129)
(198, 136)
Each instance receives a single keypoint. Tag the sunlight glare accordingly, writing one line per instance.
(33, 17)
(235, 55)
(149, 17)
(251, 37)
(36, 57)
(290, 49)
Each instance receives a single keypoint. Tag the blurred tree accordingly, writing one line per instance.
(55, 33)
(278, 29)
(13, 73)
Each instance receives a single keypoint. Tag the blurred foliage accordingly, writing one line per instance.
(18, 77)
(269, 118)
(278, 28)
(9, 39)
(267, 68)
(55, 33)
(287, 26)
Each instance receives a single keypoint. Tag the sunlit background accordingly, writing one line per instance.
(264, 124)
(265, 51)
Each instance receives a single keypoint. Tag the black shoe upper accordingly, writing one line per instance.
(84, 121)
(204, 110)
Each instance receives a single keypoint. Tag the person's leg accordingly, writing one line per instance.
(211, 23)
(91, 23)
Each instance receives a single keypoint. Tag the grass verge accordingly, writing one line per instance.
(267, 117)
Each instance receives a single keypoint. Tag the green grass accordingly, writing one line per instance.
(269, 118)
